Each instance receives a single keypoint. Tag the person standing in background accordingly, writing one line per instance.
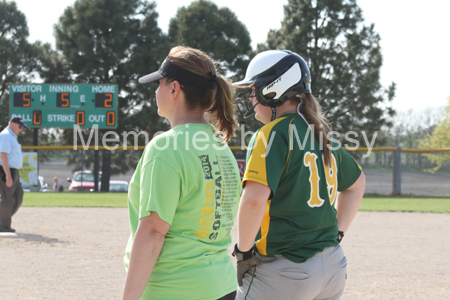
(11, 161)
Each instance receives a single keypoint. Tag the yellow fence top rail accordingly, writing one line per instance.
(81, 148)
(426, 150)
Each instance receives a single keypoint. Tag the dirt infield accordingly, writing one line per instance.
(76, 253)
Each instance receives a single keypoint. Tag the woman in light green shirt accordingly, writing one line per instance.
(184, 195)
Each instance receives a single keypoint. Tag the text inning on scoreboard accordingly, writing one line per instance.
(65, 105)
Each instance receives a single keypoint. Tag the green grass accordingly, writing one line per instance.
(68, 199)
(437, 205)
(370, 203)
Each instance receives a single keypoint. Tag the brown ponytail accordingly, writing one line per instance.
(311, 110)
(218, 101)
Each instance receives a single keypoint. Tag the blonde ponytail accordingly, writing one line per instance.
(223, 108)
(311, 110)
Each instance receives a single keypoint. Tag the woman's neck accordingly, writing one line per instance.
(287, 108)
(184, 116)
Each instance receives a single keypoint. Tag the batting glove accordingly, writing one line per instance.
(247, 260)
(340, 236)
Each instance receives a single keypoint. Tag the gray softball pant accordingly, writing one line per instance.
(322, 277)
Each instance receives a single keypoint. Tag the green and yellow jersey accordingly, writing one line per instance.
(300, 217)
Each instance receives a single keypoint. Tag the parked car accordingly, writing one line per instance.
(117, 186)
(83, 181)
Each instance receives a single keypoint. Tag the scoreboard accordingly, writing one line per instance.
(65, 105)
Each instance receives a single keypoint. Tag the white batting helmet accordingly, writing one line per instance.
(281, 72)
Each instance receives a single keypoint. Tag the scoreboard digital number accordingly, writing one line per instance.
(103, 100)
(22, 100)
(37, 117)
(65, 105)
(63, 100)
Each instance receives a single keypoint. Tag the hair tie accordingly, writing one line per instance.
(212, 76)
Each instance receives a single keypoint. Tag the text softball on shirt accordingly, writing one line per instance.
(222, 192)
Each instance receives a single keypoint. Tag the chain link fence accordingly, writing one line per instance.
(413, 172)
(406, 172)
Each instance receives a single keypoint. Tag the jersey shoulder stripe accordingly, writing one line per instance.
(256, 165)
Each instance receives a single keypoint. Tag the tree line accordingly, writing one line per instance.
(413, 130)
(117, 41)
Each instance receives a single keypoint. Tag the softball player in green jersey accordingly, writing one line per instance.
(301, 191)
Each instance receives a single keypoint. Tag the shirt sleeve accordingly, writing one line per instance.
(160, 190)
(349, 170)
(5, 143)
(267, 159)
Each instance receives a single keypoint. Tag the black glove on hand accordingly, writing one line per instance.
(247, 260)
(340, 236)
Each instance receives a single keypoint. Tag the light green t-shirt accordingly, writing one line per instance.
(192, 181)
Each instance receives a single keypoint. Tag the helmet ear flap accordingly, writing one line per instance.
(260, 96)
